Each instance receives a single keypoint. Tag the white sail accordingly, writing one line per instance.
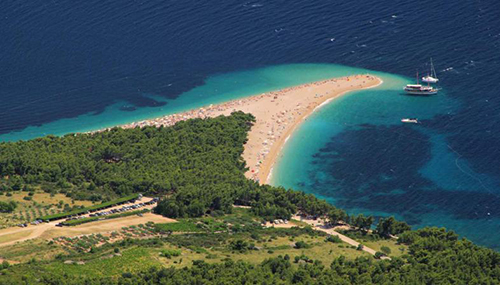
(432, 77)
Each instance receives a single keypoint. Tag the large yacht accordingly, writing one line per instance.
(419, 89)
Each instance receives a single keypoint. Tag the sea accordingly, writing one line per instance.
(75, 66)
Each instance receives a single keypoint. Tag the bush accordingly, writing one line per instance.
(302, 257)
(378, 255)
(127, 275)
(301, 244)
(385, 250)
(239, 245)
(7, 207)
(360, 247)
(334, 239)
(169, 253)
(5, 264)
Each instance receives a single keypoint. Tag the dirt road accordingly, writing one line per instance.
(49, 230)
(320, 227)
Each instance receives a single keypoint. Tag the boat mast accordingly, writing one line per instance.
(433, 71)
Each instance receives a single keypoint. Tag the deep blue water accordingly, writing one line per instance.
(75, 65)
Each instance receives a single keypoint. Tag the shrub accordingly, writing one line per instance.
(301, 244)
(127, 275)
(360, 247)
(169, 253)
(239, 245)
(7, 207)
(302, 257)
(334, 239)
(385, 250)
(5, 264)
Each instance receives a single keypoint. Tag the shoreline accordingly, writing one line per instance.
(299, 122)
(277, 114)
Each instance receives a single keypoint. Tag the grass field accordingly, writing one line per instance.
(42, 198)
(180, 226)
(396, 249)
(26, 251)
(131, 260)
(14, 236)
(320, 250)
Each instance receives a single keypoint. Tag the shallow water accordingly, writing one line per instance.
(357, 154)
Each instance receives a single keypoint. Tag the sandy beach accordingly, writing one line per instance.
(277, 115)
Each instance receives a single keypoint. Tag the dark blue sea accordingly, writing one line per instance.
(68, 66)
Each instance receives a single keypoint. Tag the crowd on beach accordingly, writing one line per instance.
(270, 130)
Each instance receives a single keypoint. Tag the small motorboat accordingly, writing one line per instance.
(410, 120)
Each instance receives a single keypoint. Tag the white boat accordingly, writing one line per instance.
(431, 77)
(410, 120)
(419, 89)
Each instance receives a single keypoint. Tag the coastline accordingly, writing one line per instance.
(277, 113)
(301, 120)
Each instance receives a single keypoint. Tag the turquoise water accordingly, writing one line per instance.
(215, 89)
(383, 105)
(421, 172)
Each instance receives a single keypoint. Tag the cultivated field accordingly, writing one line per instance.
(40, 204)
(48, 231)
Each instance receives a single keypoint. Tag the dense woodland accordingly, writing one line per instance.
(191, 154)
(197, 166)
